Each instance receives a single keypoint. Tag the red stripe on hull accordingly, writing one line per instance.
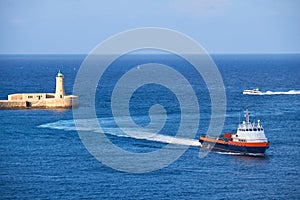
(246, 144)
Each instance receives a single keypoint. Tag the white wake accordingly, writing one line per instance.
(87, 125)
(291, 92)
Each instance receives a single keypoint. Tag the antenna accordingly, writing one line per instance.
(247, 115)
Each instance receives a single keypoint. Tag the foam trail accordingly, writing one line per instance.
(162, 138)
(85, 125)
(230, 153)
(290, 92)
(239, 154)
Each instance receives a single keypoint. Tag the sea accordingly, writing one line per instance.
(43, 155)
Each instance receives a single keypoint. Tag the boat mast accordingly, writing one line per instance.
(247, 116)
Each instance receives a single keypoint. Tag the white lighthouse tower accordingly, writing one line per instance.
(60, 90)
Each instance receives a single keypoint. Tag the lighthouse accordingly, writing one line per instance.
(57, 100)
(60, 90)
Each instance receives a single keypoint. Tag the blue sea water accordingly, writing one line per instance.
(42, 156)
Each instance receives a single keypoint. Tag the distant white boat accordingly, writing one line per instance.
(254, 91)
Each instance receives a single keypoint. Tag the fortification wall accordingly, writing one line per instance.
(51, 103)
(12, 97)
(29, 96)
(67, 102)
(13, 104)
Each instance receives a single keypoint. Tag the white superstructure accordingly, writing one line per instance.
(250, 132)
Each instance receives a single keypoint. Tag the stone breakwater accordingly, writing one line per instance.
(67, 102)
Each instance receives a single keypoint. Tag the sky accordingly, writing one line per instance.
(220, 26)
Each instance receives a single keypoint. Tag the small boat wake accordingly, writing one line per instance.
(86, 125)
(290, 92)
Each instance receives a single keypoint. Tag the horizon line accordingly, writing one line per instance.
(154, 53)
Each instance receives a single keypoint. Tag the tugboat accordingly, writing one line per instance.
(249, 139)
(254, 91)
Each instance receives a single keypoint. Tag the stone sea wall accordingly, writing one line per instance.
(13, 104)
(48, 103)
